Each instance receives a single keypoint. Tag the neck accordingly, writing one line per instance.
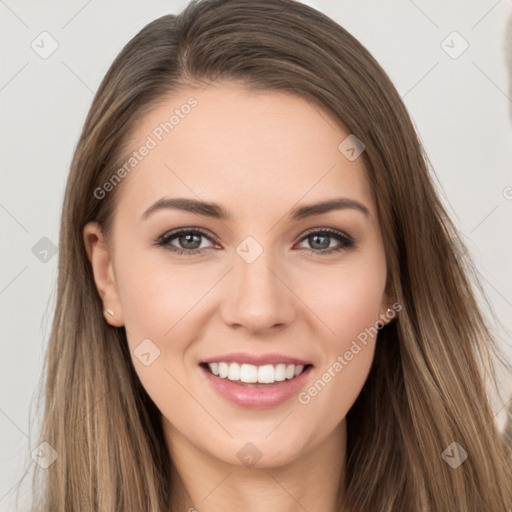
(309, 482)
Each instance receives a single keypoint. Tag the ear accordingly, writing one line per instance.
(104, 278)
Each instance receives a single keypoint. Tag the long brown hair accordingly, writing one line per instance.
(427, 386)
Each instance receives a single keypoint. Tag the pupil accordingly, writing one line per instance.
(325, 245)
(189, 239)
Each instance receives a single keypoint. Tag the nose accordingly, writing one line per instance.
(258, 298)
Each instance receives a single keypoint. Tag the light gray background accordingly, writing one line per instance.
(461, 108)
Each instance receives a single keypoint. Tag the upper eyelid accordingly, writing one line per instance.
(328, 230)
(173, 233)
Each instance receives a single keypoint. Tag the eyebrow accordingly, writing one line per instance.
(216, 211)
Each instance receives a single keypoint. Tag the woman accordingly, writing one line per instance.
(262, 303)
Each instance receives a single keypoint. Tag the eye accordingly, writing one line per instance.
(188, 240)
(320, 240)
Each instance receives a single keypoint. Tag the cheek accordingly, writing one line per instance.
(350, 310)
(348, 302)
(348, 298)
(164, 304)
(156, 307)
(336, 387)
(155, 297)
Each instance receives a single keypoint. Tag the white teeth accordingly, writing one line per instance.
(280, 372)
(234, 371)
(266, 374)
(249, 373)
(223, 370)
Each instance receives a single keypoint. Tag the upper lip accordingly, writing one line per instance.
(256, 360)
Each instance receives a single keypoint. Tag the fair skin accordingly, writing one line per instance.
(259, 155)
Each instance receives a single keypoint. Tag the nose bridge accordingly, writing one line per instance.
(257, 298)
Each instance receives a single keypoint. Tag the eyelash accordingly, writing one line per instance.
(346, 242)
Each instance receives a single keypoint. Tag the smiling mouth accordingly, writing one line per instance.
(256, 376)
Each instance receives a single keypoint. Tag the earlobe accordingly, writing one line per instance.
(388, 312)
(103, 272)
(384, 318)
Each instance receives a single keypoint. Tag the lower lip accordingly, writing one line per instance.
(254, 397)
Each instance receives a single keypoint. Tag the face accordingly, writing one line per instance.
(259, 279)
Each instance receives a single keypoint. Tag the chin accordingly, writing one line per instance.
(260, 453)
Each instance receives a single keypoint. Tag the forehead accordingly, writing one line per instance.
(241, 148)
